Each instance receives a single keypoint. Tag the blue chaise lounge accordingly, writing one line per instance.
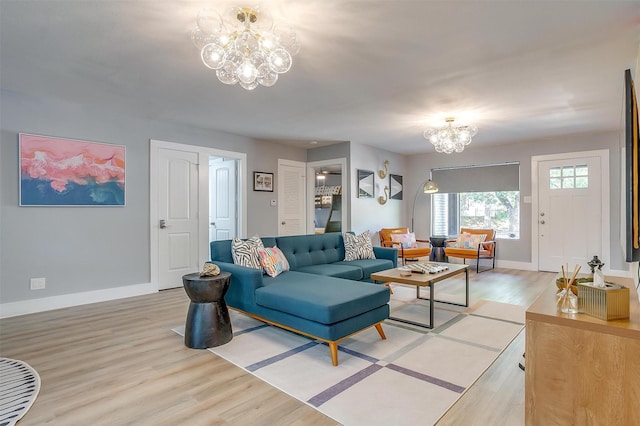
(321, 296)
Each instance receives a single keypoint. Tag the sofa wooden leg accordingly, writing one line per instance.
(333, 348)
(381, 331)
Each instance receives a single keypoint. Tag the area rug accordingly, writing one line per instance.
(19, 387)
(411, 378)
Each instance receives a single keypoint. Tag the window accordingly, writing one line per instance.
(480, 197)
(569, 177)
(496, 210)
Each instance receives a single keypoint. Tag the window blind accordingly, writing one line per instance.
(490, 178)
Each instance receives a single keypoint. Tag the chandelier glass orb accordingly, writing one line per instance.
(244, 46)
(450, 138)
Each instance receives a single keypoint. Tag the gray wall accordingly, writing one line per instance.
(520, 250)
(82, 249)
(368, 213)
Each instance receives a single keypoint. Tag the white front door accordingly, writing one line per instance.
(178, 216)
(570, 212)
(291, 198)
(222, 198)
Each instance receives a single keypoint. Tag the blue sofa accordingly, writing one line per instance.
(322, 296)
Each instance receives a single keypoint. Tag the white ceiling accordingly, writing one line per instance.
(369, 71)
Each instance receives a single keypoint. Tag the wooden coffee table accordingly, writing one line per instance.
(425, 280)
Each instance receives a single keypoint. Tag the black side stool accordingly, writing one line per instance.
(208, 323)
(437, 249)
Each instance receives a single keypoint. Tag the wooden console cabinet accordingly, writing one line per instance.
(581, 370)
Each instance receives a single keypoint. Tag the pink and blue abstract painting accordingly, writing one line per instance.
(67, 172)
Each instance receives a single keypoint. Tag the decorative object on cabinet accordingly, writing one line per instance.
(608, 303)
(595, 263)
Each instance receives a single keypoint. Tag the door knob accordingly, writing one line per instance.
(542, 214)
(163, 223)
(212, 223)
(542, 222)
(283, 223)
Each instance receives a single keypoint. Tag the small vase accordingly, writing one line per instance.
(567, 302)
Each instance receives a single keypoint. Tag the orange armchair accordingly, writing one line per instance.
(485, 250)
(403, 253)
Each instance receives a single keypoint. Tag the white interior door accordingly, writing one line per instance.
(291, 198)
(178, 216)
(570, 212)
(222, 199)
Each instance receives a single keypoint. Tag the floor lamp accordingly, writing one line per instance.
(429, 187)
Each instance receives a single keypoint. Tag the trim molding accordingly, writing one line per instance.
(31, 306)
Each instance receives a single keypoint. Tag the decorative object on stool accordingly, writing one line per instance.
(19, 387)
(210, 270)
(208, 323)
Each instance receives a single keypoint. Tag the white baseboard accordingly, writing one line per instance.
(511, 264)
(507, 264)
(31, 306)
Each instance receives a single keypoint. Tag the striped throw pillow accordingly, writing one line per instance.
(245, 253)
(358, 247)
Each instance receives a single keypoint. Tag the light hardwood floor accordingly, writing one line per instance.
(118, 362)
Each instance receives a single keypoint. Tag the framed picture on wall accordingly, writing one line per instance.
(365, 184)
(395, 182)
(263, 181)
(69, 172)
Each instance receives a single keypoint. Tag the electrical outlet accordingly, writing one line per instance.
(38, 283)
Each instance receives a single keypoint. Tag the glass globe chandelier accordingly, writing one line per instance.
(450, 138)
(243, 46)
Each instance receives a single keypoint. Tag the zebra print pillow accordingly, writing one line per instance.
(358, 246)
(245, 253)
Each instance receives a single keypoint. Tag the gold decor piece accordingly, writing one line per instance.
(210, 270)
(383, 173)
(608, 303)
(383, 198)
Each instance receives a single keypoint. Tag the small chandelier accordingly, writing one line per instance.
(450, 138)
(243, 46)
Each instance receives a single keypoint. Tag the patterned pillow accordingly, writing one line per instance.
(358, 246)
(245, 253)
(273, 261)
(469, 241)
(406, 240)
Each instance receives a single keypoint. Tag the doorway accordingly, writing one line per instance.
(570, 210)
(182, 197)
(327, 201)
